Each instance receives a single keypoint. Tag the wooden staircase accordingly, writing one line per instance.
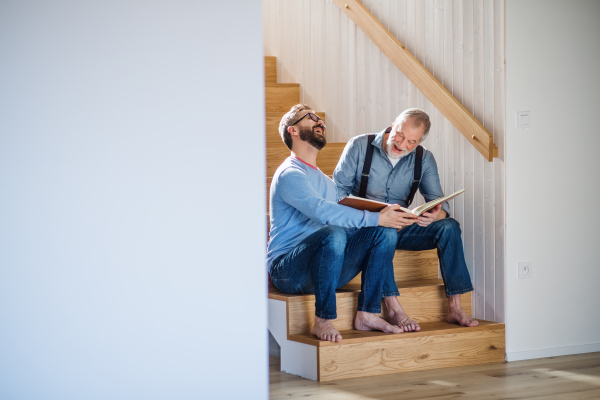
(438, 344)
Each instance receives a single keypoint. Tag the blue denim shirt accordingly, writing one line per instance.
(386, 183)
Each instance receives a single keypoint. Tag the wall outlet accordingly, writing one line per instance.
(525, 270)
(523, 120)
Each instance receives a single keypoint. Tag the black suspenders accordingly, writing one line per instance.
(417, 176)
(364, 179)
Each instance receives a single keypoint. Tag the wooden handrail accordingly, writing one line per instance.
(439, 96)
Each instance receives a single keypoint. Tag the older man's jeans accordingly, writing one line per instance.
(330, 258)
(443, 235)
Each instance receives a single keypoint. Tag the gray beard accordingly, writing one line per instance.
(388, 150)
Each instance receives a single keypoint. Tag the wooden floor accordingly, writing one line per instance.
(567, 377)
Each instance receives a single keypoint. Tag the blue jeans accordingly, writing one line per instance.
(443, 235)
(330, 258)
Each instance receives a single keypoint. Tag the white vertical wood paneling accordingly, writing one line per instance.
(478, 173)
(457, 91)
(488, 192)
(470, 153)
(343, 74)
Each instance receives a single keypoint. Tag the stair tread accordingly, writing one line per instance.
(427, 329)
(281, 85)
(351, 289)
(421, 283)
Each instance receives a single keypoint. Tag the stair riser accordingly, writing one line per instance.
(412, 266)
(281, 98)
(410, 354)
(270, 70)
(423, 305)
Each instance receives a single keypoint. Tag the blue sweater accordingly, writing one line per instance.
(303, 200)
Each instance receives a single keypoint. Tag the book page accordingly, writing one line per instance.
(427, 206)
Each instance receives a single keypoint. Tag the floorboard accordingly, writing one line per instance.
(569, 377)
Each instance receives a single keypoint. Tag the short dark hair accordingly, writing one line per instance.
(289, 119)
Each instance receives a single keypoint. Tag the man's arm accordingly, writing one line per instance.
(344, 174)
(431, 189)
(295, 188)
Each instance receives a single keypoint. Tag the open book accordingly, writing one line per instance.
(376, 206)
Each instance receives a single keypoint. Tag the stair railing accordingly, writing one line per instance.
(439, 96)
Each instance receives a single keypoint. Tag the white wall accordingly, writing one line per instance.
(552, 59)
(341, 72)
(129, 268)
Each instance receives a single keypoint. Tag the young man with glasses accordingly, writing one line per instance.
(317, 245)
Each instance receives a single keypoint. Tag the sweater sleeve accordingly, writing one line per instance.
(295, 188)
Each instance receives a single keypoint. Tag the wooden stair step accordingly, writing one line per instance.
(270, 69)
(280, 97)
(436, 345)
(409, 266)
(420, 284)
(352, 336)
(414, 266)
(424, 301)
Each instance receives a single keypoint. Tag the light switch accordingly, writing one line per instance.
(523, 120)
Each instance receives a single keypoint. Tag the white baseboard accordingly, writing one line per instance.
(553, 352)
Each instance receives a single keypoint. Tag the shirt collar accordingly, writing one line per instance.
(378, 141)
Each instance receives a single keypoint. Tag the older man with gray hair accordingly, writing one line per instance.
(390, 166)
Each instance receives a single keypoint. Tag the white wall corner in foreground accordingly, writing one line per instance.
(128, 269)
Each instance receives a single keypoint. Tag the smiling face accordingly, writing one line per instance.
(312, 132)
(403, 139)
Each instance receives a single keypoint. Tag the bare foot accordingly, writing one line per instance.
(324, 330)
(371, 322)
(398, 317)
(456, 314)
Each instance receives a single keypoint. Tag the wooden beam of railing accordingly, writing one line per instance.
(439, 96)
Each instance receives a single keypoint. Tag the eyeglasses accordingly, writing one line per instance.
(312, 116)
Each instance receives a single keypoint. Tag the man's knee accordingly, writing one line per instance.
(389, 235)
(450, 226)
(334, 238)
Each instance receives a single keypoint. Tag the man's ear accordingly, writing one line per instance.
(292, 130)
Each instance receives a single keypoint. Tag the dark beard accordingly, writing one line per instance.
(315, 140)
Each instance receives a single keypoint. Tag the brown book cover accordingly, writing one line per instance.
(363, 204)
(375, 206)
